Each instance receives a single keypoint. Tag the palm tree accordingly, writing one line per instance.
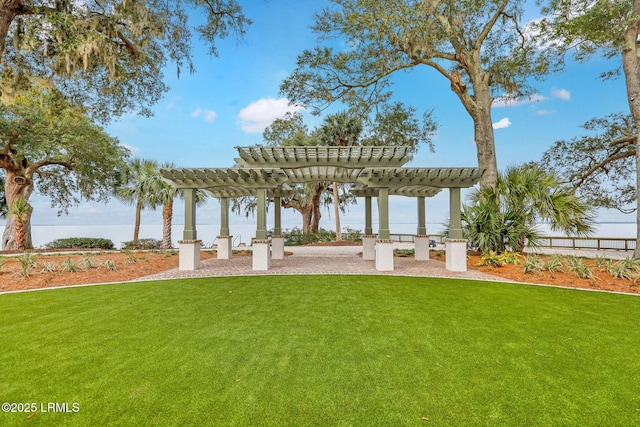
(506, 216)
(161, 193)
(21, 211)
(137, 187)
(340, 129)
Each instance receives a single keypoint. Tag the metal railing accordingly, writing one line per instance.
(596, 243)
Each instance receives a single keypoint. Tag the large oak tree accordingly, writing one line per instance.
(49, 146)
(478, 46)
(107, 55)
(611, 28)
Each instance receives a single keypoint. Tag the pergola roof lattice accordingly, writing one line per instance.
(369, 168)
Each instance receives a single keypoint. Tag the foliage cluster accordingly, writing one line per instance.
(628, 269)
(81, 243)
(29, 262)
(504, 217)
(147, 243)
(295, 236)
(495, 260)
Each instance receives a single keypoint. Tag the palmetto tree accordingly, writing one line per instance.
(21, 211)
(161, 193)
(505, 216)
(137, 188)
(340, 129)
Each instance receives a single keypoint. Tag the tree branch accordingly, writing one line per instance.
(34, 167)
(582, 178)
(629, 139)
(489, 25)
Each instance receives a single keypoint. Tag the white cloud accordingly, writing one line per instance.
(210, 116)
(502, 123)
(258, 115)
(207, 115)
(545, 112)
(563, 94)
(511, 101)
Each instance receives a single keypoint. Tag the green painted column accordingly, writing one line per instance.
(455, 214)
(368, 221)
(422, 222)
(224, 216)
(190, 232)
(261, 230)
(383, 214)
(277, 217)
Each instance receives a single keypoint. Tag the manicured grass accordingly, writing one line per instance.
(320, 351)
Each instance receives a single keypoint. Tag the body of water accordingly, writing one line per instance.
(43, 234)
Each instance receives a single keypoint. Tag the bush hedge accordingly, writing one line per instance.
(80, 242)
(143, 244)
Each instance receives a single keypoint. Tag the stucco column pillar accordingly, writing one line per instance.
(189, 246)
(277, 240)
(456, 246)
(421, 239)
(368, 216)
(225, 240)
(261, 250)
(368, 239)
(384, 245)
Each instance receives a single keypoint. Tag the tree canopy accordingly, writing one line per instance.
(49, 146)
(478, 46)
(600, 165)
(108, 55)
(612, 28)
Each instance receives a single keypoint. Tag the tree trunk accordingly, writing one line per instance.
(17, 186)
(136, 228)
(20, 236)
(8, 12)
(320, 188)
(336, 208)
(631, 67)
(477, 102)
(167, 217)
(484, 138)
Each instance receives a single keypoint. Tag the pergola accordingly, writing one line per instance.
(269, 172)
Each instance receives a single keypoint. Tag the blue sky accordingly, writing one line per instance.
(231, 98)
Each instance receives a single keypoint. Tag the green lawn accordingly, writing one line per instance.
(321, 350)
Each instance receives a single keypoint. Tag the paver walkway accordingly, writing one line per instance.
(321, 260)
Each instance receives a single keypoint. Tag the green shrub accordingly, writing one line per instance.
(491, 258)
(510, 257)
(70, 266)
(131, 258)
(602, 261)
(48, 267)
(80, 242)
(110, 265)
(532, 264)
(27, 262)
(619, 270)
(581, 269)
(404, 252)
(143, 244)
(88, 262)
(295, 237)
(352, 235)
(553, 264)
